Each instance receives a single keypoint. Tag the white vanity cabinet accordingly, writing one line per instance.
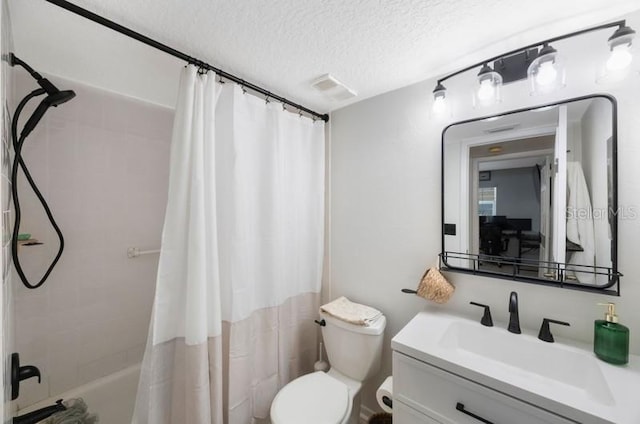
(407, 415)
(426, 394)
(452, 370)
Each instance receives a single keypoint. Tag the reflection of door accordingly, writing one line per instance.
(559, 204)
(545, 218)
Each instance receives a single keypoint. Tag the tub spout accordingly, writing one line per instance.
(39, 414)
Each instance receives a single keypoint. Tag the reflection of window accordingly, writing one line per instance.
(487, 201)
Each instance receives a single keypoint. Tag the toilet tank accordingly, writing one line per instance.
(354, 350)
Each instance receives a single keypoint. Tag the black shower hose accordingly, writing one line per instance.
(17, 161)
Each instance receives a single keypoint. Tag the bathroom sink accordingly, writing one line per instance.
(564, 377)
(545, 363)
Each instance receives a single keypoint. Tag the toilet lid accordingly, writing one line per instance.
(311, 399)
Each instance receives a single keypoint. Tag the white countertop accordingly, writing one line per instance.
(613, 396)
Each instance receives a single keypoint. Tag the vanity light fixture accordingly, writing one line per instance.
(439, 99)
(540, 63)
(489, 83)
(546, 73)
(620, 45)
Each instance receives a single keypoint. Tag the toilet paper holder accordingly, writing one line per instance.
(387, 401)
(384, 395)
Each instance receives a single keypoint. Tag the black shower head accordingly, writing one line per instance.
(55, 96)
(59, 97)
(54, 99)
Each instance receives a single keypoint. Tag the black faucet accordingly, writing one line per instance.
(514, 318)
(19, 373)
(39, 414)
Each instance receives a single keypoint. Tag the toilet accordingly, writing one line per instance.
(333, 397)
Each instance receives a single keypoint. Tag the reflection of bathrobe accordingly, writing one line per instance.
(580, 228)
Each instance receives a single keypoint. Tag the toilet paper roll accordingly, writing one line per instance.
(385, 390)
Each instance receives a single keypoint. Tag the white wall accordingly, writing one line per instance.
(6, 292)
(102, 162)
(54, 41)
(385, 203)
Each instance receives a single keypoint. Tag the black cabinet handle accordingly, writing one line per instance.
(460, 407)
(321, 323)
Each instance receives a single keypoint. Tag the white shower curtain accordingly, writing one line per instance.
(241, 259)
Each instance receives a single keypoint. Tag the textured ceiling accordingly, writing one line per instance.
(372, 46)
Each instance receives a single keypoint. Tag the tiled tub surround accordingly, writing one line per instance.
(101, 161)
(112, 397)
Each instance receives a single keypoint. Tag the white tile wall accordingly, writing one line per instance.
(102, 162)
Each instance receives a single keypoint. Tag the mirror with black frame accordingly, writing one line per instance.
(530, 195)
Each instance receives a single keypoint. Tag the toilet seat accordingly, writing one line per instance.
(314, 398)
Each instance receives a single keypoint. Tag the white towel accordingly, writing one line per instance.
(348, 311)
(580, 229)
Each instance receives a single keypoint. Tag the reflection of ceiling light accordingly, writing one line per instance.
(495, 149)
(492, 118)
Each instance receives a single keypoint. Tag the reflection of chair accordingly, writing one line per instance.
(492, 242)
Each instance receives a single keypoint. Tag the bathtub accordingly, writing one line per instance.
(111, 397)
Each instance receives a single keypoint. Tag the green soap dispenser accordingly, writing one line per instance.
(610, 339)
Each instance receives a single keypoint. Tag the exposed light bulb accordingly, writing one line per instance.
(489, 83)
(620, 58)
(486, 91)
(439, 104)
(547, 73)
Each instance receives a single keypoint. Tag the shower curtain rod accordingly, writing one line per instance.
(180, 55)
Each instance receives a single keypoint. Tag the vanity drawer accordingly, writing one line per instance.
(440, 395)
(404, 414)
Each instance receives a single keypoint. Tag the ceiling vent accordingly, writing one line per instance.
(501, 129)
(332, 88)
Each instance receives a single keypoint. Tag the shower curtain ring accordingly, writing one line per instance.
(284, 108)
(299, 113)
(244, 90)
(266, 99)
(220, 80)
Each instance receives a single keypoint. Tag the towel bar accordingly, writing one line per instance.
(134, 252)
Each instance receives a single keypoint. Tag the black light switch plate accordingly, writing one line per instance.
(450, 229)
